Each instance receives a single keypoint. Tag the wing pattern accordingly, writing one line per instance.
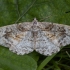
(44, 37)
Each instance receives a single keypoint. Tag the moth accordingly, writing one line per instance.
(44, 37)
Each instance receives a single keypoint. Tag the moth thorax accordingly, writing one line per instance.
(35, 28)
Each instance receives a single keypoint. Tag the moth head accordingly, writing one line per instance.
(35, 25)
(35, 22)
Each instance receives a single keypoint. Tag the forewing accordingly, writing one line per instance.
(17, 37)
(59, 34)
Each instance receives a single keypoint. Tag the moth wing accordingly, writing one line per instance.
(59, 34)
(17, 37)
(44, 45)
